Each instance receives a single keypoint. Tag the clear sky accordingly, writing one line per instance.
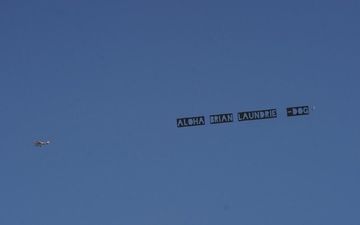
(104, 81)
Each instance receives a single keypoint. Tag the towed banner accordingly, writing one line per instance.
(241, 116)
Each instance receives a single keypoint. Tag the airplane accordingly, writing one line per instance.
(41, 143)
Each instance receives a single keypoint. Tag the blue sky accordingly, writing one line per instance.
(106, 80)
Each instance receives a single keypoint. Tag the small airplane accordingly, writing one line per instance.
(41, 143)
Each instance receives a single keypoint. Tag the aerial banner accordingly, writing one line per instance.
(270, 113)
